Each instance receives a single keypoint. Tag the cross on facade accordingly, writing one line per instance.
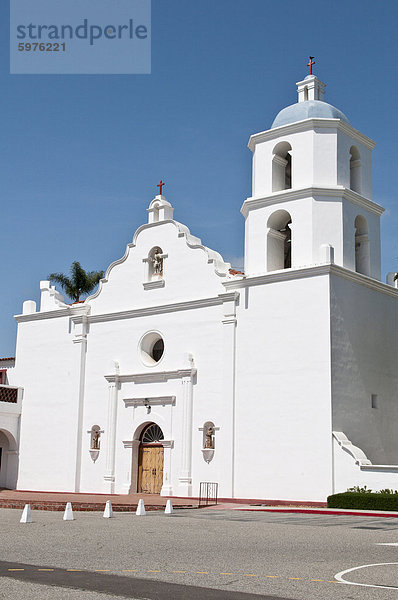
(312, 62)
(160, 186)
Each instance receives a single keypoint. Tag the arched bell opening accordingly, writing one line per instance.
(156, 213)
(355, 170)
(279, 241)
(362, 246)
(282, 167)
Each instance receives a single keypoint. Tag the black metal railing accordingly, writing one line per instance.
(208, 493)
(8, 394)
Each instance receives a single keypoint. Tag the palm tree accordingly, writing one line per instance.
(80, 282)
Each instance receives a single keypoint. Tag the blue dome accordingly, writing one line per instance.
(309, 109)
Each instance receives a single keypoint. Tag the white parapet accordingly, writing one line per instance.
(28, 307)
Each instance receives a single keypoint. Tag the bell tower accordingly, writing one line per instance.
(311, 197)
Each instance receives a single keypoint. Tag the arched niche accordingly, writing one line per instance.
(279, 241)
(155, 264)
(209, 437)
(282, 167)
(355, 170)
(95, 434)
(362, 246)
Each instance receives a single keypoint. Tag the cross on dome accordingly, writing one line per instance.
(312, 62)
(160, 186)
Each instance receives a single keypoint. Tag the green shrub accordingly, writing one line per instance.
(365, 500)
(359, 490)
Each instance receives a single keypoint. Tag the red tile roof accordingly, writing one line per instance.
(235, 272)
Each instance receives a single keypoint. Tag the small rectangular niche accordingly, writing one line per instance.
(374, 401)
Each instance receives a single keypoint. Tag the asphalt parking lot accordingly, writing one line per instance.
(209, 554)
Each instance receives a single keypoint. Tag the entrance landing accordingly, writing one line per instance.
(87, 502)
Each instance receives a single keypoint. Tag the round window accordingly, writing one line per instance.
(151, 348)
(157, 350)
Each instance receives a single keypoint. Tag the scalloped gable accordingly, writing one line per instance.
(187, 274)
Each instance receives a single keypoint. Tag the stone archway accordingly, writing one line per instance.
(8, 460)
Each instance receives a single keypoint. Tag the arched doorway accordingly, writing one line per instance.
(8, 460)
(150, 460)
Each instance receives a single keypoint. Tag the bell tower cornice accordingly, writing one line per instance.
(307, 124)
(253, 203)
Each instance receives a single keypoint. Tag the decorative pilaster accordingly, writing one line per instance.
(167, 489)
(80, 338)
(228, 388)
(185, 478)
(109, 477)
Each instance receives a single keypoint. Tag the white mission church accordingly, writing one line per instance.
(280, 383)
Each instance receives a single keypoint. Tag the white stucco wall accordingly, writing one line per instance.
(283, 405)
(192, 332)
(364, 337)
(47, 367)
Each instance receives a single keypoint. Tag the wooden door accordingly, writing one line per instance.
(150, 469)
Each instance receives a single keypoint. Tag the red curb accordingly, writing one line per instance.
(258, 501)
(321, 512)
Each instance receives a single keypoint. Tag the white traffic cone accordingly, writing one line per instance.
(68, 514)
(169, 508)
(108, 512)
(26, 514)
(140, 508)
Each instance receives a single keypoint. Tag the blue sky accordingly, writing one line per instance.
(80, 156)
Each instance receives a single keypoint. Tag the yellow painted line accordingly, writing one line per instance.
(317, 580)
(129, 570)
(45, 569)
(152, 571)
(334, 581)
(101, 570)
(294, 578)
(249, 574)
(15, 569)
(80, 570)
(226, 573)
(202, 572)
(178, 571)
(274, 576)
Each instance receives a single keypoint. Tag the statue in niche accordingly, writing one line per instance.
(95, 439)
(157, 262)
(209, 437)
